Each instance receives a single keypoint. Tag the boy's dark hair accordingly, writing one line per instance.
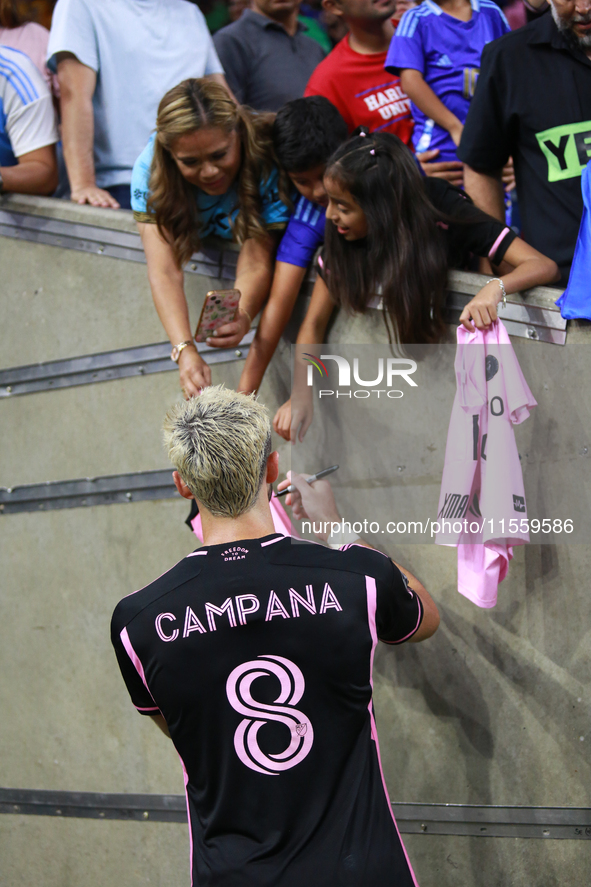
(307, 132)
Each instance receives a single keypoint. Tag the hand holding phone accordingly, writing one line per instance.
(220, 307)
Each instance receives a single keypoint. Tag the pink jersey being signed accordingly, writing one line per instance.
(482, 505)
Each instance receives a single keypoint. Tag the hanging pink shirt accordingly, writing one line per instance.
(482, 508)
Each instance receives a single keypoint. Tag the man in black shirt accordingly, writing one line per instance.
(254, 654)
(533, 102)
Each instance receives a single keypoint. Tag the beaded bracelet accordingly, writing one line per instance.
(502, 286)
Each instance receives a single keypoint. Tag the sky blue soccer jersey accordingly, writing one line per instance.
(217, 213)
(447, 52)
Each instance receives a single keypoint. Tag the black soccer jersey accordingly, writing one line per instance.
(259, 656)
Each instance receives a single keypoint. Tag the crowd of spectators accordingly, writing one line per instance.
(419, 112)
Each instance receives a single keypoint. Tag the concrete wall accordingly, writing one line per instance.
(490, 711)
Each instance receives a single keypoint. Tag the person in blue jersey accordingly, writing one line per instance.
(28, 131)
(209, 169)
(436, 50)
(305, 134)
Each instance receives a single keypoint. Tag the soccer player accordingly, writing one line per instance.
(254, 654)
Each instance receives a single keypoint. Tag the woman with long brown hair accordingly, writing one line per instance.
(208, 169)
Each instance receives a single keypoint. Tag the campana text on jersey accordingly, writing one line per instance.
(235, 611)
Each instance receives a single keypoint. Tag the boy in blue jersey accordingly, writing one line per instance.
(436, 50)
(305, 134)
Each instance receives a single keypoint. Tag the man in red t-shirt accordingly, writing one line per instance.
(354, 79)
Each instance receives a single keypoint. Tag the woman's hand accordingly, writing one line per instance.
(194, 372)
(482, 309)
(230, 334)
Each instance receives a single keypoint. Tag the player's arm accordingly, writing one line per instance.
(316, 502)
(430, 621)
(414, 85)
(287, 282)
(160, 722)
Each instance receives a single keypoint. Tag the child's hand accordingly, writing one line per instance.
(282, 420)
(292, 424)
(508, 175)
(482, 310)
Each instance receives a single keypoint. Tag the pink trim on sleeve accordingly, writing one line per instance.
(198, 552)
(372, 602)
(498, 242)
(271, 541)
(186, 780)
(374, 735)
(358, 545)
(135, 659)
(415, 629)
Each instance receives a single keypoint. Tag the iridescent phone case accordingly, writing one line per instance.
(220, 307)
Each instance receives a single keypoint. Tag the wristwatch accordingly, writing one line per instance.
(176, 351)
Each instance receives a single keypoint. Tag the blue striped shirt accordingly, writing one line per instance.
(27, 118)
(447, 52)
(304, 234)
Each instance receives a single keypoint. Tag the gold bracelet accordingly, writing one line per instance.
(244, 311)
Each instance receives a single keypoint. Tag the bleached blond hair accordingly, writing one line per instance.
(219, 443)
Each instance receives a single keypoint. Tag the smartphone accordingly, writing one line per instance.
(220, 307)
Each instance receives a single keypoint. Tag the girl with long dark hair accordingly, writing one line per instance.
(209, 169)
(392, 235)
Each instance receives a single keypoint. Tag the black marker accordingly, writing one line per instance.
(310, 480)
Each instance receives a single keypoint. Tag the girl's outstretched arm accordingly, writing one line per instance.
(292, 425)
(528, 268)
(287, 282)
